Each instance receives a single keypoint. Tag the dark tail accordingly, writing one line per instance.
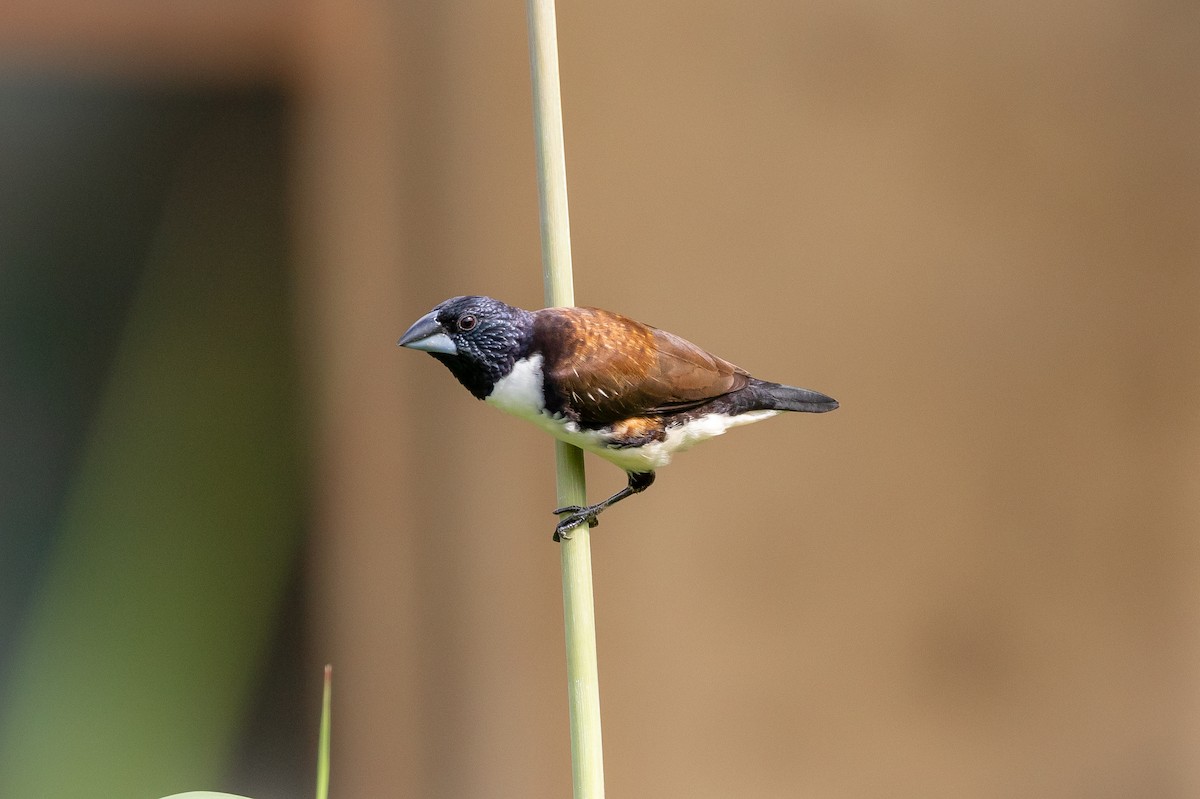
(789, 398)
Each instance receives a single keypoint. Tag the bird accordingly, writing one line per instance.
(631, 393)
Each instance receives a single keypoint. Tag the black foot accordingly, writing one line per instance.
(578, 515)
(638, 482)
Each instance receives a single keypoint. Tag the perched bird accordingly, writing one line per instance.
(633, 394)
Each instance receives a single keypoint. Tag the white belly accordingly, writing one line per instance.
(520, 394)
(649, 457)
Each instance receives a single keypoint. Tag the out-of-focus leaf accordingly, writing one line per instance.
(147, 633)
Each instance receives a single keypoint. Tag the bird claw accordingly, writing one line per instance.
(579, 514)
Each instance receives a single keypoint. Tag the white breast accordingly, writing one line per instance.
(520, 391)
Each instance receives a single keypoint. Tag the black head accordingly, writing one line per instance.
(478, 338)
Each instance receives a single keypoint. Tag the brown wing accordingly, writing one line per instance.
(605, 367)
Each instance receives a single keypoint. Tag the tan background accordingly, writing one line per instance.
(975, 226)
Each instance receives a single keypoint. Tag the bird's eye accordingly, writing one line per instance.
(466, 322)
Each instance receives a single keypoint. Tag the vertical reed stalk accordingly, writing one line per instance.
(583, 686)
(323, 741)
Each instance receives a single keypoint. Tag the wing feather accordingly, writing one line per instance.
(606, 367)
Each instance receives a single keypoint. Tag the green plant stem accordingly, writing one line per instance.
(323, 743)
(583, 685)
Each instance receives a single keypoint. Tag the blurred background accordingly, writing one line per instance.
(975, 226)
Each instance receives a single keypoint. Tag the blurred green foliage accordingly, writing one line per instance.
(152, 571)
